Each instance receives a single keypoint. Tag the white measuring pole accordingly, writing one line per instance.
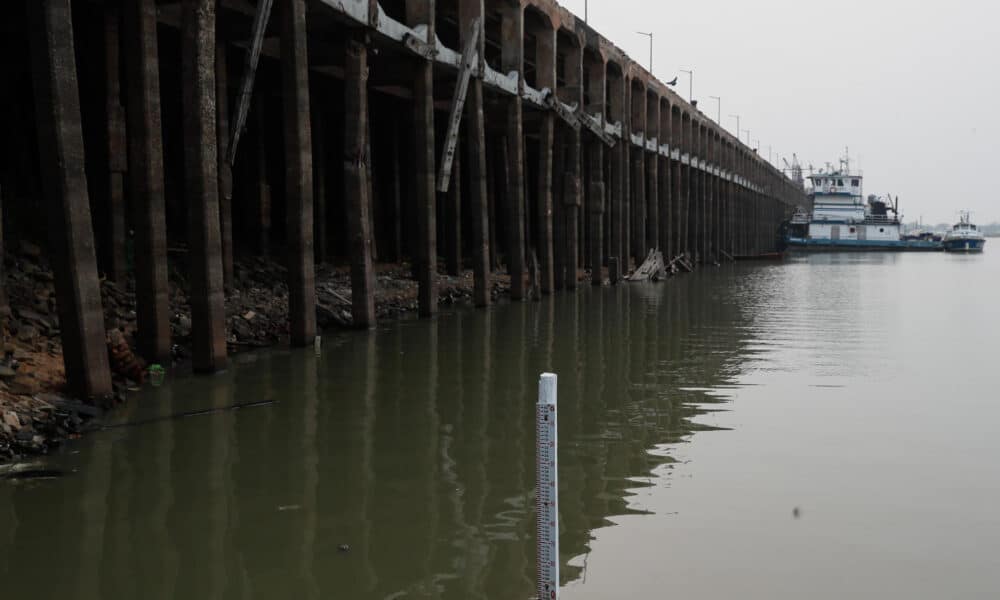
(547, 489)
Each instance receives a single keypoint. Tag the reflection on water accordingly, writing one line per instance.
(412, 445)
(400, 462)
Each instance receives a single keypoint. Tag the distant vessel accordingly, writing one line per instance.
(964, 236)
(842, 220)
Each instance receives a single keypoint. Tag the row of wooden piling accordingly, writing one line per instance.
(571, 156)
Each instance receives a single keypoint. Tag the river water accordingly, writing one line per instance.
(823, 427)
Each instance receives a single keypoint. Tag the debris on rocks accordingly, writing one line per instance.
(35, 416)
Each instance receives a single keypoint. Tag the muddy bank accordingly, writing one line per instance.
(36, 415)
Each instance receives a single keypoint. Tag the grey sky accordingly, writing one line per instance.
(911, 87)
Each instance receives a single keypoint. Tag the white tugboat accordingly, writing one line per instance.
(964, 236)
(841, 219)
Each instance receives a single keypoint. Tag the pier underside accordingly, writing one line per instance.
(503, 138)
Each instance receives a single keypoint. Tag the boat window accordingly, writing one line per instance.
(840, 182)
(972, 226)
(855, 183)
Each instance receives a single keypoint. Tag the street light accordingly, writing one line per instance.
(718, 118)
(690, 74)
(650, 36)
(737, 125)
(585, 11)
(747, 131)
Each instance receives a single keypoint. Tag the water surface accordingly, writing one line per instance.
(819, 428)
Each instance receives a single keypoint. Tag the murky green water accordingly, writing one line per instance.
(695, 417)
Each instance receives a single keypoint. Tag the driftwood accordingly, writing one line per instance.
(651, 268)
(727, 255)
(683, 262)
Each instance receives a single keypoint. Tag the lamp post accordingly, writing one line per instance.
(718, 100)
(737, 117)
(585, 11)
(747, 131)
(690, 74)
(650, 36)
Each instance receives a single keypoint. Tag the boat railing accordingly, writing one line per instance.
(881, 220)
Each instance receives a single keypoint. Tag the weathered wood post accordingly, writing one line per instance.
(512, 53)
(652, 171)
(356, 176)
(421, 12)
(67, 205)
(208, 309)
(471, 15)
(298, 175)
(145, 174)
(572, 191)
(595, 149)
(117, 155)
(545, 57)
(225, 170)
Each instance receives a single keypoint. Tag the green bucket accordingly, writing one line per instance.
(156, 375)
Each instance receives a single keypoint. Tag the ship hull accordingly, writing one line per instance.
(964, 245)
(829, 245)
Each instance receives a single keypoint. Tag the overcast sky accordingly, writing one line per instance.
(912, 88)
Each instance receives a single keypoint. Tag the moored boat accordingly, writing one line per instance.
(964, 236)
(842, 219)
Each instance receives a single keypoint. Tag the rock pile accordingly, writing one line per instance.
(34, 416)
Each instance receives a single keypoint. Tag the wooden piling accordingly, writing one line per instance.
(619, 184)
(261, 213)
(396, 193)
(321, 166)
(559, 210)
(545, 58)
(356, 176)
(225, 170)
(64, 181)
(208, 309)
(453, 220)
(298, 175)
(145, 169)
(116, 254)
(471, 15)
(421, 12)
(512, 56)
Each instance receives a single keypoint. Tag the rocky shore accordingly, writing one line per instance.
(36, 415)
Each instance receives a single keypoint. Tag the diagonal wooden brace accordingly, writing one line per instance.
(593, 125)
(249, 73)
(567, 115)
(470, 57)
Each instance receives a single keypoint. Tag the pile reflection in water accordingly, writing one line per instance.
(399, 463)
